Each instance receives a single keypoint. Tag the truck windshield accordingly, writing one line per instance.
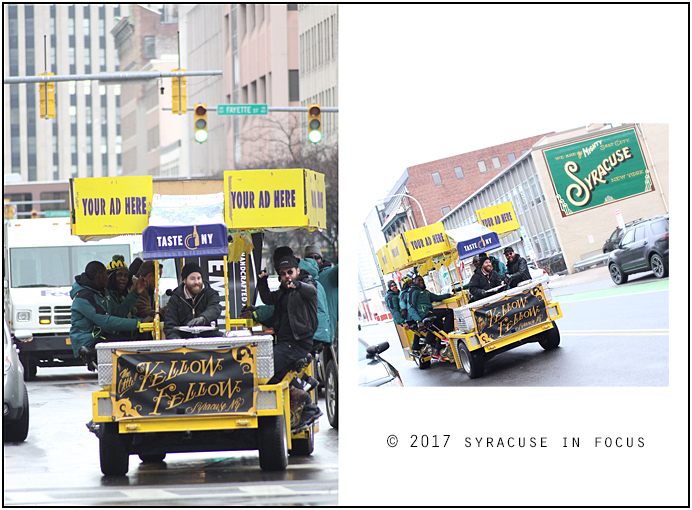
(57, 266)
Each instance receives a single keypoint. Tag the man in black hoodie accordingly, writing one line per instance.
(193, 303)
(517, 268)
(295, 323)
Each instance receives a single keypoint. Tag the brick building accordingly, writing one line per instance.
(443, 184)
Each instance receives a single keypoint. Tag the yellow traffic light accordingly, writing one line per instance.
(46, 92)
(314, 123)
(179, 90)
(201, 134)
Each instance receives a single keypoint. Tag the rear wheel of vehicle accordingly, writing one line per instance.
(658, 267)
(331, 395)
(550, 338)
(617, 275)
(271, 438)
(473, 363)
(30, 367)
(113, 451)
(152, 458)
(305, 445)
(18, 429)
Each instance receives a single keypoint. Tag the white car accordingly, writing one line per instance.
(536, 272)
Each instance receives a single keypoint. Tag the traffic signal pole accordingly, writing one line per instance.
(107, 77)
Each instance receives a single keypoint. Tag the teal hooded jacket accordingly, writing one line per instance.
(265, 313)
(91, 318)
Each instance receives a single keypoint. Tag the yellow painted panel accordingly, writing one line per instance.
(428, 241)
(499, 218)
(111, 205)
(256, 199)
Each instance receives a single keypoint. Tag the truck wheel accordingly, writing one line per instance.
(271, 439)
(617, 275)
(152, 458)
(304, 445)
(472, 363)
(30, 367)
(18, 429)
(113, 451)
(550, 338)
(657, 266)
(331, 395)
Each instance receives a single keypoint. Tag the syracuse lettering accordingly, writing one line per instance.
(579, 193)
(97, 206)
(282, 198)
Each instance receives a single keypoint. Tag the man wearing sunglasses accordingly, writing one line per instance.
(295, 323)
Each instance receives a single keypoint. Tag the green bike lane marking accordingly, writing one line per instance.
(617, 291)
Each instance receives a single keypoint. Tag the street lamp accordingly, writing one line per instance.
(409, 196)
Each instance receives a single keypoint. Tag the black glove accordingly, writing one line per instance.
(484, 292)
(197, 321)
(248, 308)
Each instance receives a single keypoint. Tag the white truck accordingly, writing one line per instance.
(40, 261)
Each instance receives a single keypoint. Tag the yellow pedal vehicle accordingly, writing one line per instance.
(484, 328)
(198, 394)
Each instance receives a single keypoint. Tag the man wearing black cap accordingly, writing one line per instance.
(193, 303)
(517, 268)
(295, 323)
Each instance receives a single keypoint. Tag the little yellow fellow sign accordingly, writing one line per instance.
(241, 109)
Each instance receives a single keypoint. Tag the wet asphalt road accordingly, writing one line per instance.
(59, 462)
(606, 334)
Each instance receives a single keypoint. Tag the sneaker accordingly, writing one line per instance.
(310, 414)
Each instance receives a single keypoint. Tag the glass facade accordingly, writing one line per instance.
(517, 184)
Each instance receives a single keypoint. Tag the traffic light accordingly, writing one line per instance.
(46, 92)
(201, 134)
(179, 90)
(314, 123)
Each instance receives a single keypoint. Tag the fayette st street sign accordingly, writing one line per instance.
(242, 109)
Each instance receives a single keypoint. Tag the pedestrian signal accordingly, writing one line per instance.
(314, 123)
(201, 134)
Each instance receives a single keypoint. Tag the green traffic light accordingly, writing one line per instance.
(201, 136)
(315, 136)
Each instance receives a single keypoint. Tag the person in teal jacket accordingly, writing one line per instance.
(265, 313)
(328, 277)
(421, 301)
(91, 322)
(392, 301)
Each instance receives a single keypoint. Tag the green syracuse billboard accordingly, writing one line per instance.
(598, 171)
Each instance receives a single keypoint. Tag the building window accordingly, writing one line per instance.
(496, 163)
(511, 158)
(459, 172)
(436, 178)
(292, 7)
(293, 90)
(149, 46)
(481, 166)
(445, 210)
